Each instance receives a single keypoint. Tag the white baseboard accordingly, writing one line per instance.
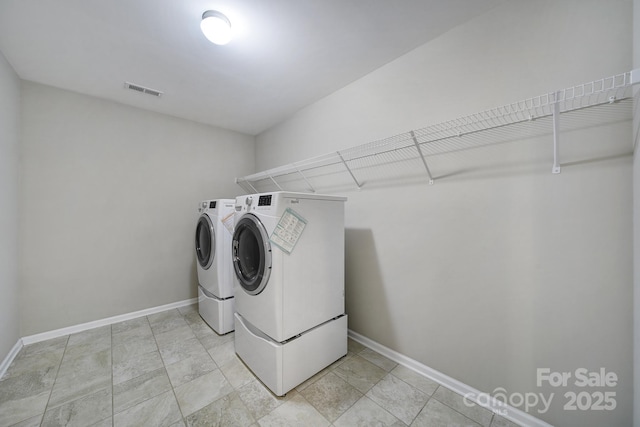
(513, 414)
(104, 322)
(12, 355)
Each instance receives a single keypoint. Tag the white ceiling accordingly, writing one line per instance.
(285, 54)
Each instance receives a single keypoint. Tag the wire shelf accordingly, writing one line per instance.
(409, 154)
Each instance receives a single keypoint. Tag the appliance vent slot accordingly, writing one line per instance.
(142, 89)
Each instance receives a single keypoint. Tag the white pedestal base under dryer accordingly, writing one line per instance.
(218, 313)
(213, 253)
(283, 366)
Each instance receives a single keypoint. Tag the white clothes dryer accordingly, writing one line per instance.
(288, 260)
(288, 280)
(213, 253)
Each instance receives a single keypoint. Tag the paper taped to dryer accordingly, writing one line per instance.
(288, 231)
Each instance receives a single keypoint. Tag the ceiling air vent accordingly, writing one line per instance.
(142, 89)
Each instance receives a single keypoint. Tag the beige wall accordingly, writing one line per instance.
(9, 161)
(501, 267)
(109, 196)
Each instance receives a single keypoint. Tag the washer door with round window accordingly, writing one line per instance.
(205, 242)
(251, 254)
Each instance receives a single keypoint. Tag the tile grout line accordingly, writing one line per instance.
(370, 388)
(378, 382)
(363, 394)
(429, 396)
(316, 409)
(416, 388)
(164, 366)
(131, 379)
(66, 344)
(218, 367)
(425, 405)
(455, 410)
(353, 404)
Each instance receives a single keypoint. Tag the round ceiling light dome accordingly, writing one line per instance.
(216, 27)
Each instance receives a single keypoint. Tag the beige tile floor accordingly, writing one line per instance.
(171, 369)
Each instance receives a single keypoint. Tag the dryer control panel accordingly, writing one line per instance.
(256, 202)
(264, 200)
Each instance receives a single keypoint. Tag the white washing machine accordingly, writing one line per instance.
(215, 272)
(288, 260)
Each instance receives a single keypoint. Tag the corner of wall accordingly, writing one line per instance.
(9, 163)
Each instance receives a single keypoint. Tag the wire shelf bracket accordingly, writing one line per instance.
(275, 182)
(362, 161)
(556, 135)
(349, 170)
(313, 190)
(424, 161)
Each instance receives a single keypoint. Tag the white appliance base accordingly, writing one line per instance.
(283, 366)
(218, 313)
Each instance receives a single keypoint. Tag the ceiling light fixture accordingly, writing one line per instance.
(216, 27)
